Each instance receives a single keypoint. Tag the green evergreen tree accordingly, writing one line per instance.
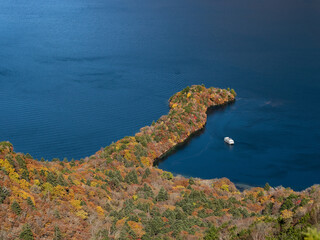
(103, 235)
(267, 187)
(154, 226)
(15, 207)
(26, 233)
(52, 179)
(42, 173)
(145, 191)
(22, 163)
(56, 214)
(83, 203)
(162, 195)
(10, 160)
(57, 233)
(146, 174)
(72, 163)
(191, 181)
(61, 181)
(70, 181)
(132, 177)
(30, 203)
(25, 175)
(212, 234)
(88, 182)
(3, 194)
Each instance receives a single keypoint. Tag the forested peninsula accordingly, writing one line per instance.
(119, 193)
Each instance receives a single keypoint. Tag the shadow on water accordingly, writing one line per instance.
(196, 134)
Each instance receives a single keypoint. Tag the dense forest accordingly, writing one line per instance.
(119, 193)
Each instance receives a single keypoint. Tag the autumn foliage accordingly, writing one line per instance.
(119, 194)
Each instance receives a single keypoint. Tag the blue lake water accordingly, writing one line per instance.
(76, 75)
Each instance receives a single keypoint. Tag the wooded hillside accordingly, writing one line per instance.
(118, 193)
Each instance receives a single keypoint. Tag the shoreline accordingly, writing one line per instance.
(187, 116)
(197, 132)
(118, 193)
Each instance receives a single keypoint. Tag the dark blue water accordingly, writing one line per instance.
(76, 75)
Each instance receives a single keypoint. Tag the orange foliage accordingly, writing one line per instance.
(137, 227)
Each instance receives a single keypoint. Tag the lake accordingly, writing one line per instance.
(76, 75)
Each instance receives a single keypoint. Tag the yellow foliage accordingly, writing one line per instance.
(134, 197)
(154, 154)
(94, 183)
(14, 190)
(100, 211)
(14, 177)
(225, 187)
(286, 213)
(71, 193)
(45, 171)
(47, 188)
(18, 194)
(312, 234)
(76, 182)
(171, 140)
(58, 191)
(145, 161)
(36, 182)
(24, 184)
(83, 214)
(188, 95)
(5, 164)
(76, 204)
(12, 174)
(260, 218)
(263, 199)
(174, 105)
(127, 155)
(179, 187)
(25, 195)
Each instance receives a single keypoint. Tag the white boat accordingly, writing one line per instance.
(228, 140)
